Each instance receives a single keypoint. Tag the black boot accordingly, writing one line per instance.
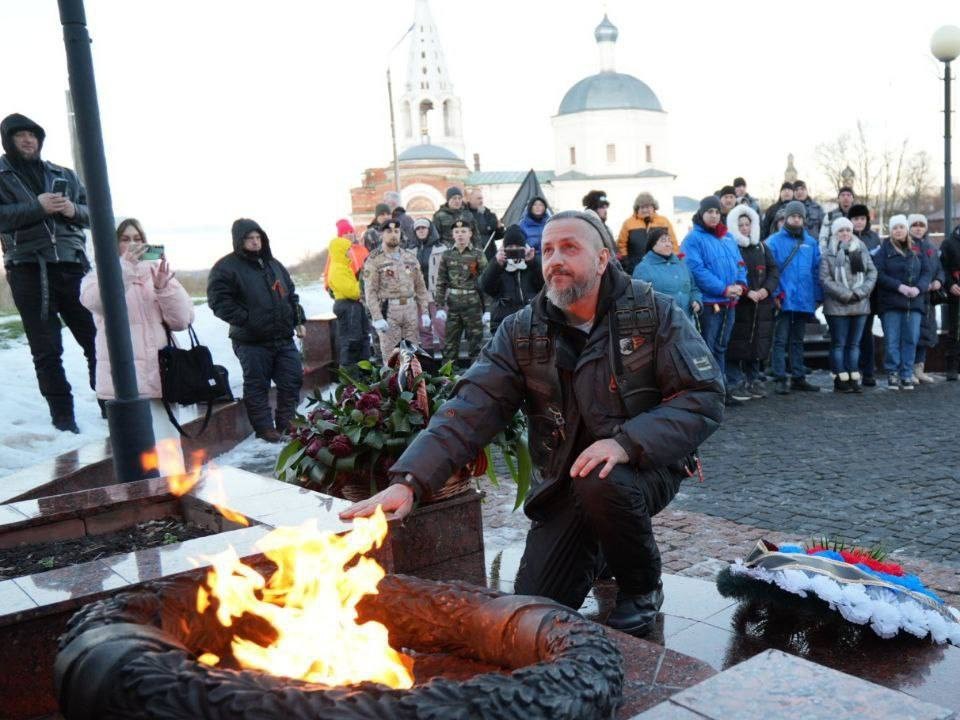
(635, 614)
(953, 365)
(801, 383)
(780, 386)
(66, 424)
(61, 413)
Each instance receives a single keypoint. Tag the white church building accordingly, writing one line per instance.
(610, 133)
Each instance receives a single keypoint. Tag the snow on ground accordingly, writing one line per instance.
(26, 435)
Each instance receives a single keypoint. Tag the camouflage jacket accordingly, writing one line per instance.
(460, 271)
(391, 277)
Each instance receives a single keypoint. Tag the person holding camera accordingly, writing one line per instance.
(43, 211)
(458, 295)
(513, 279)
(252, 290)
(154, 299)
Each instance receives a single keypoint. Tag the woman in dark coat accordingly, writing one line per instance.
(929, 332)
(950, 262)
(903, 276)
(753, 323)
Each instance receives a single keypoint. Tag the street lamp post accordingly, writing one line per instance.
(393, 127)
(131, 431)
(945, 46)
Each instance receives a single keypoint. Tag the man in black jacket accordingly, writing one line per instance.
(767, 227)
(489, 227)
(253, 292)
(513, 278)
(45, 259)
(619, 390)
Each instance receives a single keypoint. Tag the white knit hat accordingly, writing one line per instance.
(899, 220)
(838, 225)
(917, 218)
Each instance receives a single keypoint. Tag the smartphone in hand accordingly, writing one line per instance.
(153, 252)
(60, 187)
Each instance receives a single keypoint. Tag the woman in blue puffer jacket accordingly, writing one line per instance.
(718, 270)
(662, 268)
(903, 277)
(533, 221)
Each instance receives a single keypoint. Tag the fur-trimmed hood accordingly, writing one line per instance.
(733, 218)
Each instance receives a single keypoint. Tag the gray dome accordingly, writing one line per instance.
(606, 30)
(609, 91)
(427, 152)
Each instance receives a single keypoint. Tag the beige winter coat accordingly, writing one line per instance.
(147, 309)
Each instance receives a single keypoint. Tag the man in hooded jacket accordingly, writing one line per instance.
(252, 290)
(608, 455)
(45, 259)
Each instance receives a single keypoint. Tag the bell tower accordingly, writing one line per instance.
(429, 109)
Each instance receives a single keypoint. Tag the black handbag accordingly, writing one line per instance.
(189, 377)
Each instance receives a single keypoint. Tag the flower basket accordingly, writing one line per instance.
(350, 438)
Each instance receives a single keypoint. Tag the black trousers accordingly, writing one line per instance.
(280, 362)
(867, 365)
(353, 333)
(43, 335)
(953, 332)
(593, 519)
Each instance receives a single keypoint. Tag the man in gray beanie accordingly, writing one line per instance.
(797, 254)
(452, 210)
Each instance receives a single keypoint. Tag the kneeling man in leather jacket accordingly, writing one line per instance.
(619, 390)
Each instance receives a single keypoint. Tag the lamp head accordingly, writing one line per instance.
(945, 43)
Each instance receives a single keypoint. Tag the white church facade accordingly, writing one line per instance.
(610, 133)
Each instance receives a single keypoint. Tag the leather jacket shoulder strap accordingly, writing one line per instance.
(531, 339)
(633, 329)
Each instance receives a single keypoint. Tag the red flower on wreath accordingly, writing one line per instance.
(340, 446)
(369, 401)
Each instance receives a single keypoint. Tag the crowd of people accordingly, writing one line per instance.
(750, 280)
(43, 217)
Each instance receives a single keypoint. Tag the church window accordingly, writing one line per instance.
(649, 153)
(423, 56)
(611, 153)
(573, 156)
(424, 69)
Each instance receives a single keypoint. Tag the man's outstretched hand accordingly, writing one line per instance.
(609, 452)
(396, 499)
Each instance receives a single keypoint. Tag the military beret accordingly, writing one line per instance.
(390, 225)
(462, 224)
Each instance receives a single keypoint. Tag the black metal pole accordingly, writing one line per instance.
(131, 431)
(947, 180)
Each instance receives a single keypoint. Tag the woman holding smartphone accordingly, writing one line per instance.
(154, 298)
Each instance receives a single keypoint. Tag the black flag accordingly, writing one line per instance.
(528, 190)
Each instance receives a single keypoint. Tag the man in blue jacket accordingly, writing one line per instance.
(713, 258)
(797, 254)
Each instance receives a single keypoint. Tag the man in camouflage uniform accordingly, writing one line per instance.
(452, 210)
(458, 292)
(395, 291)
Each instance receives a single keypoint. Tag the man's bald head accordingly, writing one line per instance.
(587, 226)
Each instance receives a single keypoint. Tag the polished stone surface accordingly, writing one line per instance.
(778, 686)
(697, 621)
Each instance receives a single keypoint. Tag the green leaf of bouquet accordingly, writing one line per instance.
(374, 439)
(292, 447)
(354, 435)
(365, 365)
(325, 457)
(394, 443)
(406, 395)
(348, 463)
(356, 416)
(524, 471)
(491, 473)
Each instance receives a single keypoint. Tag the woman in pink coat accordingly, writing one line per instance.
(153, 297)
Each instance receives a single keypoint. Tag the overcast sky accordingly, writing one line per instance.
(215, 109)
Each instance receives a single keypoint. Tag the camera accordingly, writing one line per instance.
(515, 252)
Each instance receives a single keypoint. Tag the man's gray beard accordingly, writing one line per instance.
(565, 297)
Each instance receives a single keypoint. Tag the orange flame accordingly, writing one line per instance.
(167, 455)
(310, 601)
(218, 498)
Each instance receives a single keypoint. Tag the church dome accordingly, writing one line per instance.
(609, 91)
(426, 151)
(606, 31)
